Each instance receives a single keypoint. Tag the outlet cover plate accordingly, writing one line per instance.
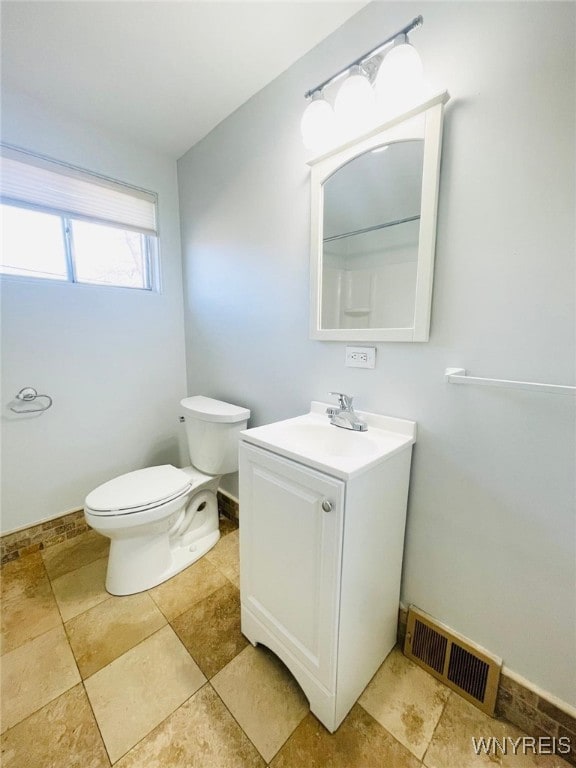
(361, 357)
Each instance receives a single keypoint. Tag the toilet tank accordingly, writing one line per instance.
(212, 430)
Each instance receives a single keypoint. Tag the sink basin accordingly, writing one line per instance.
(327, 439)
(312, 440)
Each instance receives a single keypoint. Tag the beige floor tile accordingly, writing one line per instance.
(27, 603)
(452, 744)
(79, 590)
(211, 630)
(134, 693)
(200, 734)
(36, 673)
(74, 553)
(181, 592)
(226, 557)
(263, 697)
(111, 628)
(406, 700)
(360, 742)
(61, 734)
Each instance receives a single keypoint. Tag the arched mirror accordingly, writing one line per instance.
(374, 207)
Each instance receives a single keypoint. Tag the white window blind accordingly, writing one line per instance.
(33, 181)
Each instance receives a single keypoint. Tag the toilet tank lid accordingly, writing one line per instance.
(208, 409)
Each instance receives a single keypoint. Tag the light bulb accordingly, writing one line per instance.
(399, 82)
(318, 124)
(355, 105)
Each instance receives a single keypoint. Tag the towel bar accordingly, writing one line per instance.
(29, 395)
(459, 376)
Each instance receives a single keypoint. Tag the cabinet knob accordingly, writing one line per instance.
(326, 505)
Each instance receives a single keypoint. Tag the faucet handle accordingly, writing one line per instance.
(344, 401)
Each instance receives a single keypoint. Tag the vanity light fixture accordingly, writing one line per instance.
(318, 122)
(400, 78)
(357, 105)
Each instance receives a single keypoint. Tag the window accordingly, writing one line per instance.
(61, 223)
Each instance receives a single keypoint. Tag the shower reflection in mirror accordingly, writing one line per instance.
(370, 243)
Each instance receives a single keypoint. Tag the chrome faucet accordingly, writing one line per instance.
(344, 416)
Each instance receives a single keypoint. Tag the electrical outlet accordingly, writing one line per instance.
(361, 357)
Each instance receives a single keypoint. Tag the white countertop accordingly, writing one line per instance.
(311, 440)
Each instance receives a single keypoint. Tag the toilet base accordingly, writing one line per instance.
(121, 580)
(146, 554)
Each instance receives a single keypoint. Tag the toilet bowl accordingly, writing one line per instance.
(162, 519)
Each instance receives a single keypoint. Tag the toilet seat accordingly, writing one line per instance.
(138, 491)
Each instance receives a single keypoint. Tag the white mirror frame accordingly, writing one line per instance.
(325, 165)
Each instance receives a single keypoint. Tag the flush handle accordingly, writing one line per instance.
(326, 505)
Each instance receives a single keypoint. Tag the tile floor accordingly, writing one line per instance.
(165, 679)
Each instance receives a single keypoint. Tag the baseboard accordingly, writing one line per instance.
(26, 541)
(228, 505)
(47, 533)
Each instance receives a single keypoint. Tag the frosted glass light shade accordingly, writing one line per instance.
(399, 81)
(318, 125)
(355, 105)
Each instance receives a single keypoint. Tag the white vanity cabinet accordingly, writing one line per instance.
(320, 565)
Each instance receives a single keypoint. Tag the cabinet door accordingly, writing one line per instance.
(290, 554)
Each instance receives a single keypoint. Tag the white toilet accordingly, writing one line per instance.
(161, 519)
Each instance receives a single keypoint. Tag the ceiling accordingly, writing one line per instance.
(161, 73)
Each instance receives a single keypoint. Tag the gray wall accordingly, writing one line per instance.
(112, 358)
(490, 539)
